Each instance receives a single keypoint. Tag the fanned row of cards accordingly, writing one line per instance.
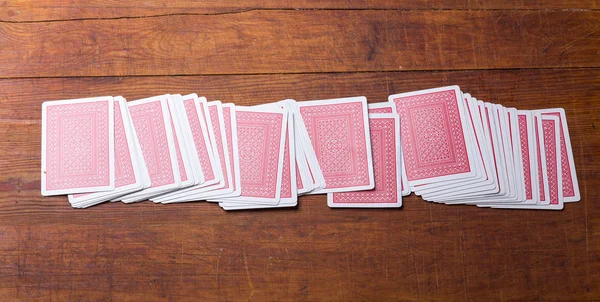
(441, 144)
(460, 150)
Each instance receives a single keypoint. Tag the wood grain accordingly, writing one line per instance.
(266, 42)
(149, 252)
(32, 10)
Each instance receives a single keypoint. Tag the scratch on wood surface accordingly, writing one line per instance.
(412, 256)
(462, 256)
(248, 276)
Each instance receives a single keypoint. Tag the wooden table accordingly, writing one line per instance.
(528, 54)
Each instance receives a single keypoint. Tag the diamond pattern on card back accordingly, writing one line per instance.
(259, 136)
(337, 133)
(524, 137)
(74, 133)
(124, 173)
(214, 118)
(433, 142)
(286, 179)
(539, 153)
(148, 120)
(381, 110)
(551, 163)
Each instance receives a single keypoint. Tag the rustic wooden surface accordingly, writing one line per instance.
(528, 54)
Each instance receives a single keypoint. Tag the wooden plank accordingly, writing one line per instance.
(31, 10)
(198, 252)
(300, 42)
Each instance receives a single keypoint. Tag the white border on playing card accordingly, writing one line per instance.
(111, 148)
(462, 115)
(363, 101)
(276, 109)
(565, 133)
(151, 191)
(99, 197)
(398, 203)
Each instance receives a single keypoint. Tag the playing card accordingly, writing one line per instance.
(152, 124)
(77, 146)
(551, 128)
(288, 197)
(128, 176)
(528, 156)
(385, 143)
(434, 135)
(339, 130)
(569, 176)
(261, 133)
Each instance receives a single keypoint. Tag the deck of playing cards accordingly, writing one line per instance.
(460, 150)
(442, 144)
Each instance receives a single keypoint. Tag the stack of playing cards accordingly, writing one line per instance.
(460, 150)
(441, 144)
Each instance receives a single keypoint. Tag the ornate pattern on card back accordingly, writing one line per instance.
(551, 163)
(539, 153)
(77, 145)
(433, 142)
(180, 164)
(148, 120)
(286, 178)
(337, 133)
(229, 136)
(259, 142)
(524, 137)
(381, 110)
(214, 117)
